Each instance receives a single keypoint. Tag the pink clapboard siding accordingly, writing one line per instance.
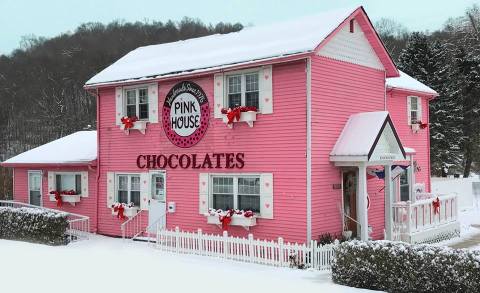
(276, 144)
(420, 141)
(87, 205)
(340, 89)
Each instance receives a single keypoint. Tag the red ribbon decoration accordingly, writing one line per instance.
(119, 209)
(236, 112)
(128, 121)
(436, 206)
(226, 220)
(423, 125)
(58, 198)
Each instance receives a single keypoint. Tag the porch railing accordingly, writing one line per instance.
(78, 225)
(422, 221)
(133, 227)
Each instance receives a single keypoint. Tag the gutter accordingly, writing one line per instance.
(309, 147)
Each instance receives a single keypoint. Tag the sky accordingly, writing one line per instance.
(49, 18)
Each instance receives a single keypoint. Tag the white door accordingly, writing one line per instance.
(35, 187)
(157, 209)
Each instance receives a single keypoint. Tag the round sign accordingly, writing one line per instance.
(185, 114)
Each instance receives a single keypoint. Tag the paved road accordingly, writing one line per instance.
(471, 241)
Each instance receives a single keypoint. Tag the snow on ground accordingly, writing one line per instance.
(104, 264)
(467, 218)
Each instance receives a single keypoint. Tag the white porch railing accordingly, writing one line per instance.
(275, 253)
(419, 222)
(78, 225)
(133, 227)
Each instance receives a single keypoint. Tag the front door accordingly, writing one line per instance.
(350, 201)
(35, 187)
(157, 206)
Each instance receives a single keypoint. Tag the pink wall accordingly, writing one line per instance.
(420, 141)
(276, 144)
(340, 89)
(86, 206)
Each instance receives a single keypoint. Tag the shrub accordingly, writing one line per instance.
(33, 225)
(401, 267)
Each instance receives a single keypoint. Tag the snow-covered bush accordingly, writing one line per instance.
(33, 225)
(401, 267)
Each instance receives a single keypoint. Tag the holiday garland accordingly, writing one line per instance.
(128, 122)
(234, 113)
(225, 217)
(58, 195)
(119, 208)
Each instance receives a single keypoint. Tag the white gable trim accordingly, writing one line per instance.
(387, 147)
(352, 47)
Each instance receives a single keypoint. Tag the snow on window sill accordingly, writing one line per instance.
(247, 117)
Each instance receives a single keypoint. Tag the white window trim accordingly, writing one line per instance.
(128, 186)
(243, 72)
(418, 110)
(41, 185)
(235, 177)
(137, 100)
(66, 173)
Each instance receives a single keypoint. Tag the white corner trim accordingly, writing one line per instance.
(309, 147)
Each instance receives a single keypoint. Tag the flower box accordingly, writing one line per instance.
(248, 117)
(237, 220)
(415, 127)
(137, 125)
(129, 212)
(70, 198)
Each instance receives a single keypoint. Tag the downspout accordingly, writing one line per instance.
(98, 159)
(385, 91)
(309, 148)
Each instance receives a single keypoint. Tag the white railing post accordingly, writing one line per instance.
(280, 251)
(409, 218)
(313, 251)
(251, 248)
(225, 244)
(177, 239)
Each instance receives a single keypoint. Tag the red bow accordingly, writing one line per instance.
(236, 112)
(128, 121)
(119, 209)
(436, 206)
(58, 198)
(248, 214)
(226, 220)
(423, 125)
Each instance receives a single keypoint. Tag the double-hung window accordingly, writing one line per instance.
(243, 90)
(236, 192)
(404, 186)
(68, 182)
(136, 103)
(128, 189)
(415, 110)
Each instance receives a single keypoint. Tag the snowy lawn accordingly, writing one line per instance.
(104, 264)
(467, 218)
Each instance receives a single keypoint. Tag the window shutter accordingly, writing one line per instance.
(266, 195)
(153, 103)
(419, 109)
(409, 112)
(218, 95)
(51, 185)
(144, 190)
(110, 189)
(203, 182)
(84, 175)
(118, 105)
(266, 92)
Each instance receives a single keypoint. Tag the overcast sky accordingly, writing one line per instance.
(49, 18)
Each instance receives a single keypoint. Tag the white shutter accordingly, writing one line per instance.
(51, 185)
(419, 110)
(203, 183)
(153, 103)
(218, 96)
(84, 183)
(110, 189)
(144, 190)
(266, 195)
(266, 92)
(409, 112)
(118, 105)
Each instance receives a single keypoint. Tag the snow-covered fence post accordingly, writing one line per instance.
(177, 239)
(280, 251)
(200, 242)
(250, 248)
(313, 253)
(225, 244)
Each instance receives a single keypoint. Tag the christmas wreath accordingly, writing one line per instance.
(119, 208)
(128, 122)
(225, 217)
(234, 113)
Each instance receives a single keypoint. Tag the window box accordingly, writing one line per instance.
(137, 125)
(415, 127)
(129, 212)
(237, 220)
(248, 117)
(71, 199)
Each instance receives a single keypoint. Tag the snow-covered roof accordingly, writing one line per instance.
(361, 134)
(77, 148)
(405, 81)
(249, 44)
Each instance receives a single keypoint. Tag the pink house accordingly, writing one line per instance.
(297, 122)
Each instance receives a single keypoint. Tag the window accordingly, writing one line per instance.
(158, 187)
(404, 187)
(243, 90)
(128, 189)
(236, 192)
(68, 181)
(137, 103)
(415, 115)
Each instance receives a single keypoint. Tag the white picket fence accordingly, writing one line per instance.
(274, 253)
